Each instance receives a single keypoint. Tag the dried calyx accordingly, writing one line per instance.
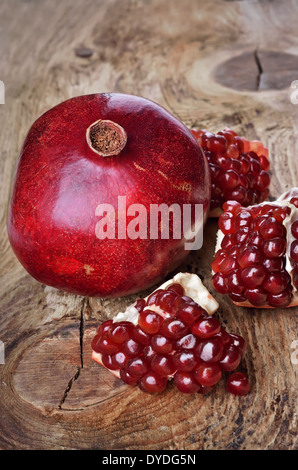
(171, 334)
(106, 138)
(256, 257)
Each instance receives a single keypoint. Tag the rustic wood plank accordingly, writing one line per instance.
(53, 396)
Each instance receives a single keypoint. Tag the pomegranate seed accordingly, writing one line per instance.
(256, 296)
(250, 256)
(148, 353)
(228, 241)
(150, 321)
(210, 350)
(163, 365)
(173, 328)
(228, 264)
(136, 367)
(264, 162)
(119, 360)
(187, 342)
(207, 374)
(242, 235)
(253, 276)
(224, 336)
(238, 384)
(102, 344)
(294, 201)
(238, 342)
(127, 378)
(120, 332)
(165, 300)
(131, 348)
(230, 359)
(231, 206)
(219, 257)
(228, 180)
(206, 327)
(152, 297)
(294, 250)
(185, 382)
(140, 336)
(108, 362)
(274, 248)
(238, 298)
(152, 383)
(270, 228)
(255, 239)
(184, 361)
(263, 180)
(140, 305)
(218, 283)
(234, 282)
(189, 313)
(226, 223)
(243, 219)
(217, 144)
(274, 264)
(161, 344)
(294, 229)
(104, 327)
(280, 300)
(177, 288)
(275, 283)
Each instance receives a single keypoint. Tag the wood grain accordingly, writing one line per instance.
(53, 396)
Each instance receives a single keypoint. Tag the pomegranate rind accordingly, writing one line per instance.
(282, 201)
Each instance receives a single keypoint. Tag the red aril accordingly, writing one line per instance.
(238, 384)
(208, 374)
(260, 269)
(186, 382)
(238, 168)
(194, 355)
(66, 224)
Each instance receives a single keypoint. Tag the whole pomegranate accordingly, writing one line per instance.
(256, 259)
(171, 334)
(90, 169)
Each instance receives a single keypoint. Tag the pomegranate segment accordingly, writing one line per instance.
(166, 343)
(238, 168)
(256, 258)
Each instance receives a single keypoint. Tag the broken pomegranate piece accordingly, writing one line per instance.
(171, 334)
(256, 259)
(238, 168)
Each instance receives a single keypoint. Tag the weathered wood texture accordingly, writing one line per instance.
(212, 64)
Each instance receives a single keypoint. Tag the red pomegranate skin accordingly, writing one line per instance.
(60, 181)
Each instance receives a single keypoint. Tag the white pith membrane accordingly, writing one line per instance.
(281, 201)
(193, 288)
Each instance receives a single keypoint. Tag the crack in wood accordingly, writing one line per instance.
(85, 305)
(260, 69)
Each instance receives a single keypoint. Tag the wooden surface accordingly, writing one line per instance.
(212, 64)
